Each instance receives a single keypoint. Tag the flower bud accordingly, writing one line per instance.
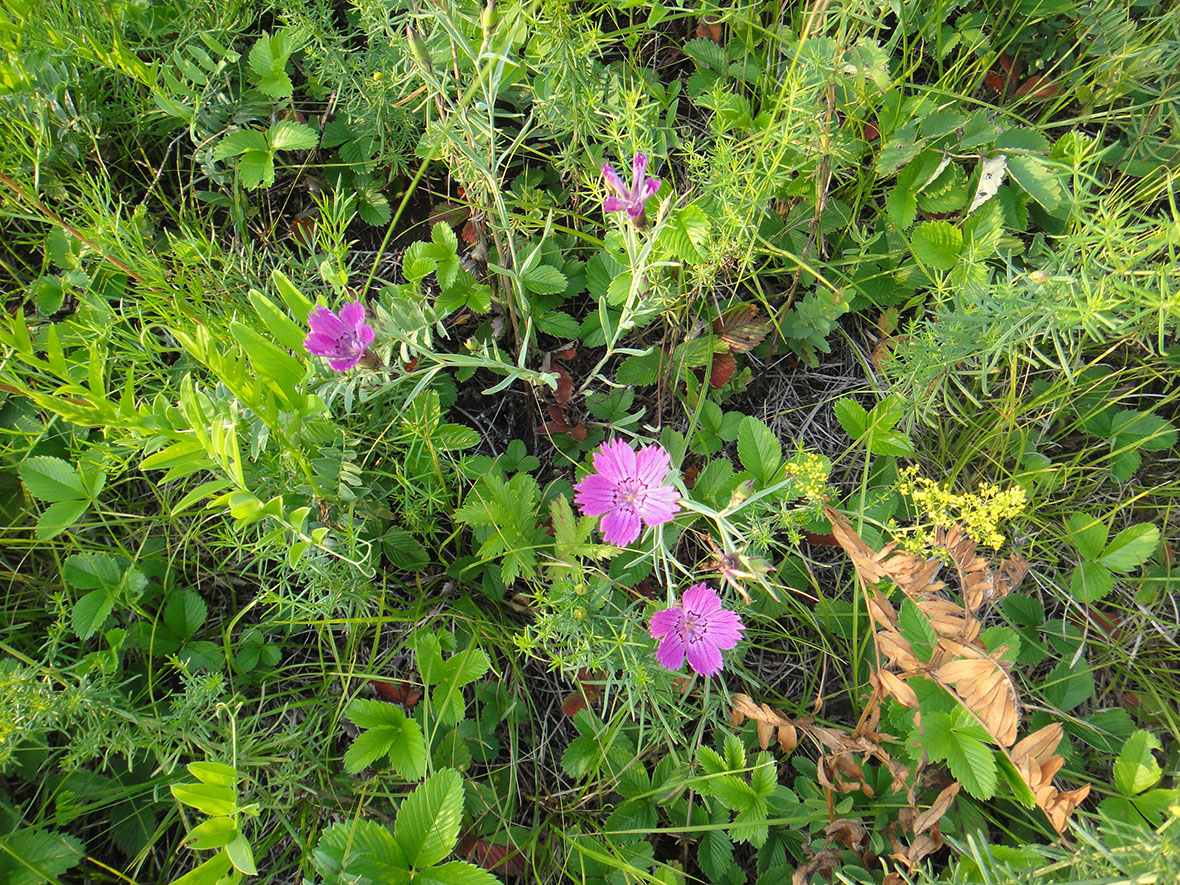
(418, 49)
(488, 20)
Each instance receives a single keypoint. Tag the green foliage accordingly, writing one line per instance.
(424, 834)
(215, 795)
(388, 732)
(1093, 578)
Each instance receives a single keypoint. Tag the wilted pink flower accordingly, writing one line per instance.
(342, 339)
(699, 629)
(627, 490)
(631, 201)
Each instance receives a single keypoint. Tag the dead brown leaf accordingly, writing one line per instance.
(981, 682)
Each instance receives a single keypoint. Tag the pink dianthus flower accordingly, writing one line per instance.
(698, 629)
(629, 200)
(627, 491)
(342, 338)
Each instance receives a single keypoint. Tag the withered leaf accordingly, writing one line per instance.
(934, 813)
(898, 689)
(983, 686)
(741, 328)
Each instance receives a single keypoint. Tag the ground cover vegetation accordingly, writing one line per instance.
(589, 442)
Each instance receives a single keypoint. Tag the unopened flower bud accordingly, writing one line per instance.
(488, 19)
(418, 48)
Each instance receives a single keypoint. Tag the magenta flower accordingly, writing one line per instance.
(699, 629)
(631, 201)
(627, 490)
(342, 339)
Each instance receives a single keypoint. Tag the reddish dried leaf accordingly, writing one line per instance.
(741, 328)
(303, 229)
(689, 475)
(451, 213)
(469, 235)
(1039, 87)
(709, 28)
(820, 540)
(578, 432)
(558, 422)
(565, 385)
(493, 857)
(397, 691)
(724, 365)
(870, 131)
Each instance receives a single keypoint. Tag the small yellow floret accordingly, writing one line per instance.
(978, 513)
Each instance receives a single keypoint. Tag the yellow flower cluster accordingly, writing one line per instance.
(810, 472)
(979, 513)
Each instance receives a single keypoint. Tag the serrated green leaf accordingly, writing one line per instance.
(465, 667)
(427, 824)
(710, 761)
(407, 753)
(764, 777)
(257, 169)
(58, 517)
(1088, 534)
(1090, 582)
(276, 85)
(345, 847)
(917, 629)
(367, 713)
(1068, 684)
(972, 763)
(642, 369)
(1136, 769)
(937, 244)
(1021, 140)
(901, 204)
(545, 280)
(91, 611)
(185, 613)
(735, 753)
(1131, 548)
(288, 135)
(1037, 179)
(31, 856)
(369, 746)
(373, 207)
(455, 437)
(1144, 430)
(759, 450)
(852, 416)
(239, 142)
(557, 323)
(581, 756)
(456, 872)
(715, 854)
(51, 479)
(685, 234)
(733, 792)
